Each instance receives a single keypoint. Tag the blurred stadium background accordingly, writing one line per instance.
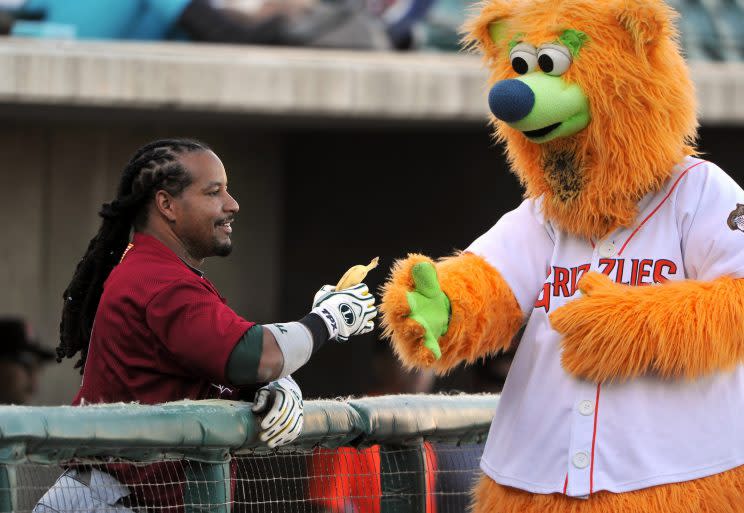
(398, 131)
(303, 131)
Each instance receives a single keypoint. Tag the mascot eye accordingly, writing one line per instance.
(554, 59)
(523, 58)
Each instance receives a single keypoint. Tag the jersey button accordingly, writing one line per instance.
(581, 460)
(586, 407)
(607, 249)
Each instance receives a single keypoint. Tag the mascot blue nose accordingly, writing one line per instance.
(511, 100)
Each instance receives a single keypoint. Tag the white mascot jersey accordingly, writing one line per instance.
(556, 433)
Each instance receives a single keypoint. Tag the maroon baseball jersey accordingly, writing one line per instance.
(161, 333)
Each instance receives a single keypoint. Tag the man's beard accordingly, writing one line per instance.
(223, 249)
(201, 251)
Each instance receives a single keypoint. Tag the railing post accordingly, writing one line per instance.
(7, 488)
(207, 488)
(403, 478)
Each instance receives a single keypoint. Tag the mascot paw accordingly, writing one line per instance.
(602, 331)
(405, 311)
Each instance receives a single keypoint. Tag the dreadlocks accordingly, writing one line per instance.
(154, 167)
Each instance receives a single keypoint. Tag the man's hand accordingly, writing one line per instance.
(345, 312)
(280, 403)
(430, 306)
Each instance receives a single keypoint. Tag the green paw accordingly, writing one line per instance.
(430, 306)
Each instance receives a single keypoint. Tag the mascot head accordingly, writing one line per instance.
(593, 100)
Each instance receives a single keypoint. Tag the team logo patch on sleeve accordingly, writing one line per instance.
(736, 218)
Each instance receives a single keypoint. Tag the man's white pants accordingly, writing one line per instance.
(84, 491)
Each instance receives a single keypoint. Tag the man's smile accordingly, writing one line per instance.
(226, 225)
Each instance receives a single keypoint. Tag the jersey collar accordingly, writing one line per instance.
(156, 246)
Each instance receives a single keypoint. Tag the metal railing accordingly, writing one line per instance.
(415, 453)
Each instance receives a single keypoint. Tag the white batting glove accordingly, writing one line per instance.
(345, 312)
(280, 403)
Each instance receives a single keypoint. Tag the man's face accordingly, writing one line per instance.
(204, 210)
(18, 381)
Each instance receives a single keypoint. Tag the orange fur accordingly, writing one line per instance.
(485, 313)
(640, 94)
(685, 329)
(720, 493)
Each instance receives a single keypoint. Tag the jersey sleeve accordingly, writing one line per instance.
(520, 246)
(196, 328)
(710, 214)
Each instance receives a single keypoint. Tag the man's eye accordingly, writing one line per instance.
(213, 193)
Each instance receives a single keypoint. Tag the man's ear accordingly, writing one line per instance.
(487, 30)
(165, 205)
(646, 22)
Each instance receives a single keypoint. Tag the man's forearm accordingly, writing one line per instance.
(272, 360)
(268, 352)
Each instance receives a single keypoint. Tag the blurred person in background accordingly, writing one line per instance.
(316, 23)
(347, 479)
(389, 376)
(21, 361)
(162, 332)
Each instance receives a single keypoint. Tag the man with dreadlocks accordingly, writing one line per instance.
(163, 333)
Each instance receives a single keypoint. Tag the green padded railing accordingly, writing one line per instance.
(209, 432)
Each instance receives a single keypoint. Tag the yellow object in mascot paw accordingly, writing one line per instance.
(623, 263)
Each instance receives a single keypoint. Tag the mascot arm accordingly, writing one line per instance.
(682, 329)
(441, 314)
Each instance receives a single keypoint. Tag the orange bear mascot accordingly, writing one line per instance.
(623, 264)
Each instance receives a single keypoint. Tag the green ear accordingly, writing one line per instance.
(497, 29)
